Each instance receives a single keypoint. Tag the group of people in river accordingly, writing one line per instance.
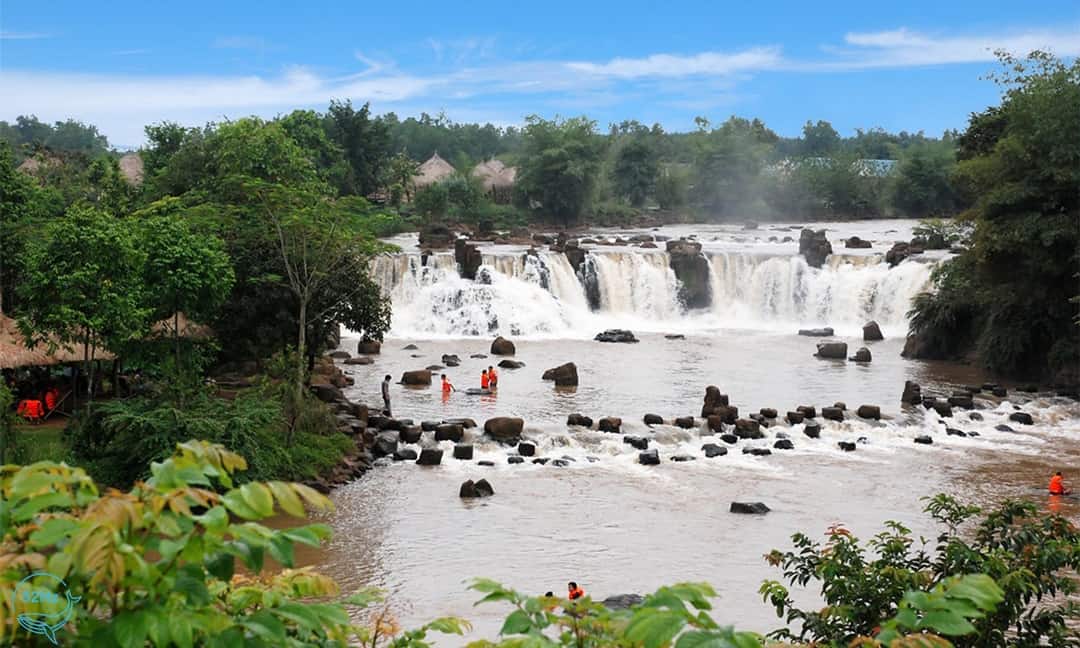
(489, 383)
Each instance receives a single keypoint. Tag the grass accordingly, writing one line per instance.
(40, 443)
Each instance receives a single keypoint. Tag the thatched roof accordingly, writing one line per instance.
(131, 167)
(432, 171)
(188, 329)
(14, 353)
(493, 174)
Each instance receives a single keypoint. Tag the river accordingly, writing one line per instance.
(614, 525)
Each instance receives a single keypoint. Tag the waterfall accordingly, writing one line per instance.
(540, 294)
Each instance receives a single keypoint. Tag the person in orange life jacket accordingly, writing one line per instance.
(485, 382)
(574, 592)
(446, 386)
(493, 378)
(1057, 485)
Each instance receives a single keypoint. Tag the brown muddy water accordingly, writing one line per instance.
(615, 526)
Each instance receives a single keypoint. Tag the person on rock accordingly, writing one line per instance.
(485, 381)
(493, 378)
(1057, 485)
(574, 592)
(386, 395)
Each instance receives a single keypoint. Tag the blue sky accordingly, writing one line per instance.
(911, 65)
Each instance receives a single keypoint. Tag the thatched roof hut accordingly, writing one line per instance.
(496, 178)
(188, 329)
(433, 170)
(131, 167)
(15, 353)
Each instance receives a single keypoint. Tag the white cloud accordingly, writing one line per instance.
(904, 48)
(673, 65)
(10, 35)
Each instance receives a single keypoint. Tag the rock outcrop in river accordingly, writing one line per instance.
(692, 270)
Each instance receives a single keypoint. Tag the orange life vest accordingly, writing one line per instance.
(33, 409)
(50, 399)
(484, 381)
(446, 386)
(576, 593)
(1056, 485)
(493, 377)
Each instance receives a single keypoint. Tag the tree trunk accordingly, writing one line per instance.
(301, 346)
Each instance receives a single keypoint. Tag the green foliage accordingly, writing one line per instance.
(559, 166)
(28, 134)
(729, 161)
(921, 185)
(819, 139)
(365, 141)
(940, 234)
(7, 423)
(637, 162)
(671, 187)
(162, 562)
(1002, 581)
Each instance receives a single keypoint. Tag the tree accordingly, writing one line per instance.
(17, 208)
(559, 166)
(636, 168)
(185, 271)
(306, 128)
(399, 176)
(819, 139)
(729, 161)
(366, 142)
(921, 185)
(82, 283)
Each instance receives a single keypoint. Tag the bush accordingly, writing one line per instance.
(612, 213)
(940, 234)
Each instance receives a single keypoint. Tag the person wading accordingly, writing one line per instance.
(485, 382)
(446, 386)
(493, 378)
(574, 592)
(386, 395)
(1057, 485)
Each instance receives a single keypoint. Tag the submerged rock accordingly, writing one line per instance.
(712, 450)
(622, 601)
(405, 454)
(511, 364)
(653, 419)
(924, 439)
(685, 422)
(749, 508)
(817, 332)
(616, 335)
(857, 243)
(449, 432)
(862, 354)
(768, 412)
(504, 429)
(784, 444)
(610, 424)
(480, 488)
(869, 412)
(832, 350)
(526, 449)
(641, 443)
(729, 438)
(419, 377)
(579, 419)
(812, 429)
(748, 429)
(564, 375)
(832, 413)
(795, 417)
(1021, 417)
(912, 393)
(847, 446)
(430, 457)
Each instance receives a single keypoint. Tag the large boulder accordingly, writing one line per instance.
(869, 412)
(471, 489)
(641, 443)
(809, 411)
(692, 271)
(418, 377)
(857, 243)
(610, 424)
(749, 508)
(579, 419)
(653, 419)
(748, 429)
(795, 417)
(832, 350)
(386, 443)
(815, 247)
(410, 434)
(502, 346)
(564, 375)
(912, 393)
(405, 454)
(463, 451)
(812, 429)
(429, 457)
(649, 458)
(900, 251)
(862, 354)
(685, 422)
(449, 432)
(368, 347)
(1022, 418)
(468, 258)
(871, 332)
(713, 401)
(768, 412)
(511, 364)
(832, 413)
(616, 335)
(504, 429)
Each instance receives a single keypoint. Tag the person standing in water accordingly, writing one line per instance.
(1057, 485)
(493, 378)
(573, 591)
(447, 387)
(485, 382)
(386, 395)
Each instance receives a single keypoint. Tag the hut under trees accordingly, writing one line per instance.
(434, 169)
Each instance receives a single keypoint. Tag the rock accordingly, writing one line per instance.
(368, 347)
(480, 488)
(812, 429)
(674, 336)
(729, 438)
(578, 419)
(1021, 417)
(749, 508)
(653, 419)
(750, 225)
(410, 347)
(912, 393)
(1000, 392)
(429, 457)
(468, 258)
(489, 464)
(683, 458)
(748, 429)
(560, 463)
(712, 450)
(955, 432)
(900, 251)
(832, 350)
(924, 439)
(622, 601)
(757, 452)
(386, 443)
(795, 418)
(691, 269)
(436, 236)
(466, 423)
(616, 335)
(327, 393)
(784, 444)
(405, 454)
(846, 446)
(641, 443)
(526, 449)
(869, 412)
(515, 459)
(1001, 427)
(564, 375)
(962, 400)
(649, 458)
(609, 424)
(815, 247)
(504, 429)
(451, 360)
(501, 346)
(463, 452)
(809, 411)
(832, 413)
(975, 416)
(714, 423)
(449, 432)
(340, 355)
(818, 332)
(713, 401)
(768, 412)
(943, 408)
(857, 243)
(418, 377)
(541, 461)
(410, 434)
(685, 422)
(511, 364)
(479, 356)
(360, 360)
(861, 355)
(429, 426)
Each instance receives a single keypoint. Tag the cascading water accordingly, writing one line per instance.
(540, 294)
